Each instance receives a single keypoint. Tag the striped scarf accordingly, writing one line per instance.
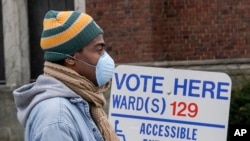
(88, 91)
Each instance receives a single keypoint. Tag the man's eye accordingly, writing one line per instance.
(100, 48)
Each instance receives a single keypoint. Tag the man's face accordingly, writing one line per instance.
(90, 54)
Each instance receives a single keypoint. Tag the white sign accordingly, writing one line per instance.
(159, 104)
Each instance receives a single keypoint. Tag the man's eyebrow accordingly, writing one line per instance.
(101, 43)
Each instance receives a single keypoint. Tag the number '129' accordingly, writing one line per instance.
(184, 109)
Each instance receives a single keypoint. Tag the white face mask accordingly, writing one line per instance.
(104, 69)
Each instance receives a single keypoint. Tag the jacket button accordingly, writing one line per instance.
(94, 129)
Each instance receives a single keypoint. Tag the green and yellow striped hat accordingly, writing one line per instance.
(65, 32)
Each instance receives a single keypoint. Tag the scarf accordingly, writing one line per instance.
(88, 91)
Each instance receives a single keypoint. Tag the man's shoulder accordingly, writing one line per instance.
(47, 118)
(51, 110)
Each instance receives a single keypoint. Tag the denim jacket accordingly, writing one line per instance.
(50, 111)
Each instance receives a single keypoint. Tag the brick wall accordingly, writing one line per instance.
(207, 29)
(160, 30)
(130, 28)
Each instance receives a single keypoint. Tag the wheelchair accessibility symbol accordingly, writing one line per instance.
(119, 132)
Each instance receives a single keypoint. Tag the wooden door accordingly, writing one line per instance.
(36, 12)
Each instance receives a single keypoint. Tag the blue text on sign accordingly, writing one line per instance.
(185, 87)
(141, 82)
(198, 88)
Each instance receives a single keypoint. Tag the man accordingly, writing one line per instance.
(66, 102)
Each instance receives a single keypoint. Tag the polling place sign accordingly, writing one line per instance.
(165, 104)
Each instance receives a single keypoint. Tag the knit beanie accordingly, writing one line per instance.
(66, 32)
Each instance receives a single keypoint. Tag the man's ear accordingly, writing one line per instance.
(69, 61)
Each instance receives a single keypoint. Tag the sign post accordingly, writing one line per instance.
(159, 104)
